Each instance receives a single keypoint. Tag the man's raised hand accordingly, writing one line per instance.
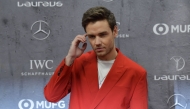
(75, 51)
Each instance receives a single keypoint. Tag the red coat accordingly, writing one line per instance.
(125, 86)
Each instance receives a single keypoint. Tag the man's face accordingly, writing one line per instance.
(101, 38)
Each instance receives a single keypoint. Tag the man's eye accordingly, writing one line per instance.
(91, 37)
(102, 35)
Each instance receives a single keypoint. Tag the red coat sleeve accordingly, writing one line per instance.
(60, 83)
(139, 99)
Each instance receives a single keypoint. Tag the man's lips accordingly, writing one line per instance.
(99, 49)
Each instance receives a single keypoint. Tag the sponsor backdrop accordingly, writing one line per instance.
(35, 36)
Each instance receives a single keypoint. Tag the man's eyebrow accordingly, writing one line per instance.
(104, 32)
(89, 35)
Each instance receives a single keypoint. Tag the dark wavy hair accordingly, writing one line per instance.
(96, 14)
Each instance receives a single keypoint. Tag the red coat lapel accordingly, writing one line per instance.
(91, 73)
(112, 78)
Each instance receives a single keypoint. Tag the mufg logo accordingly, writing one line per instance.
(163, 29)
(30, 104)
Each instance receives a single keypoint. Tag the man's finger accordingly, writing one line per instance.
(84, 46)
(85, 35)
(81, 38)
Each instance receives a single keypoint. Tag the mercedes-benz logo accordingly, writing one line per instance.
(36, 33)
(180, 62)
(179, 101)
(118, 24)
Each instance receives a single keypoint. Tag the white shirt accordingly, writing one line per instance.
(103, 69)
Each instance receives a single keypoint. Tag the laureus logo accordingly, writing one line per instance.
(178, 65)
(40, 3)
(179, 62)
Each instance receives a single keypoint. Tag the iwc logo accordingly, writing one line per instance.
(37, 66)
(40, 30)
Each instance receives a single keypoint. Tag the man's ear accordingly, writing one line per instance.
(115, 31)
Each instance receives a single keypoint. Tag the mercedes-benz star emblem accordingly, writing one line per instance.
(179, 101)
(180, 62)
(45, 31)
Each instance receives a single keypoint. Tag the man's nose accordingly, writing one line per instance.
(97, 41)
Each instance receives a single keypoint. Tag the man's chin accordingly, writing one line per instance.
(100, 54)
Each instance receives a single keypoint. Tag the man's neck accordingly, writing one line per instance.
(111, 56)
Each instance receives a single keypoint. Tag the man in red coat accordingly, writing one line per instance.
(100, 79)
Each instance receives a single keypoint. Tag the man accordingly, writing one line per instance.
(100, 79)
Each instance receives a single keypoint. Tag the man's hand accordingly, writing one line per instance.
(74, 50)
